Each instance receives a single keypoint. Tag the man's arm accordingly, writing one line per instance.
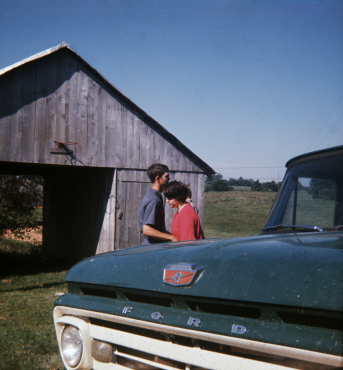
(158, 235)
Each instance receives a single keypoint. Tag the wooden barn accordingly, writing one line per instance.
(61, 119)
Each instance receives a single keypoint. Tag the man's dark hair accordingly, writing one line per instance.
(156, 169)
(176, 190)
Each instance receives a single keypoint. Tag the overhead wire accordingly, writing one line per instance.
(232, 168)
(324, 124)
(330, 130)
(260, 178)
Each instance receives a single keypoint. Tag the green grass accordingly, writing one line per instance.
(311, 211)
(28, 283)
(242, 188)
(27, 293)
(39, 213)
(236, 213)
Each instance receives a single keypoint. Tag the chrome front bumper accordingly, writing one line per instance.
(147, 352)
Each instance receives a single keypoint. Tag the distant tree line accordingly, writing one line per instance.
(217, 183)
(320, 189)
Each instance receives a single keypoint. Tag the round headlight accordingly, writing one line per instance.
(71, 345)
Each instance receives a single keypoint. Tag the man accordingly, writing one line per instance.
(151, 210)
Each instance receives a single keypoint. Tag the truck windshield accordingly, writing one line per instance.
(311, 197)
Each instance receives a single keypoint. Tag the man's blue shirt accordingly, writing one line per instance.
(151, 212)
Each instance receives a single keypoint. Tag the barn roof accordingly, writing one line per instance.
(154, 124)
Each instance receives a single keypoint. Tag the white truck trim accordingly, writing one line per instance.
(191, 356)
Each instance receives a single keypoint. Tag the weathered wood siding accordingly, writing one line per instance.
(57, 98)
(132, 185)
(107, 235)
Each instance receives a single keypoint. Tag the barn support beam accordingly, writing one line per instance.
(107, 236)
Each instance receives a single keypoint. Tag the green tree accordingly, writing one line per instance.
(270, 186)
(221, 185)
(208, 187)
(215, 176)
(323, 189)
(257, 186)
(240, 182)
(19, 195)
(210, 180)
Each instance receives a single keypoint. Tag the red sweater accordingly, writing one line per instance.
(186, 224)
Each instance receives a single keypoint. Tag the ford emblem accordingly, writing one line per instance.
(180, 274)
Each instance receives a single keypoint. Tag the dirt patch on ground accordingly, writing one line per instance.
(27, 235)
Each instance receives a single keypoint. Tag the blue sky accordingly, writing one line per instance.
(242, 83)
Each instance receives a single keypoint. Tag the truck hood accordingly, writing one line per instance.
(301, 270)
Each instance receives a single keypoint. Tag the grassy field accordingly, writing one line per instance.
(311, 211)
(236, 213)
(27, 293)
(242, 188)
(29, 284)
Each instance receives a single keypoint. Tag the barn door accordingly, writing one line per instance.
(132, 185)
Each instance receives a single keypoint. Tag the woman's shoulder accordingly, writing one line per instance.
(188, 210)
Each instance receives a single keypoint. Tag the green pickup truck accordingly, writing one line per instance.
(272, 301)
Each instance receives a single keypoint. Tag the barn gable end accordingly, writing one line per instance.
(59, 98)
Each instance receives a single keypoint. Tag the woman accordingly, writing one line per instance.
(186, 223)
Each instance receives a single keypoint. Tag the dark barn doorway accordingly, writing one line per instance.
(74, 207)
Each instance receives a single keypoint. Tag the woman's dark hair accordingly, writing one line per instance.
(176, 190)
(156, 169)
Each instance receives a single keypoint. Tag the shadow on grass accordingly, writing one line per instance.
(47, 285)
(19, 258)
